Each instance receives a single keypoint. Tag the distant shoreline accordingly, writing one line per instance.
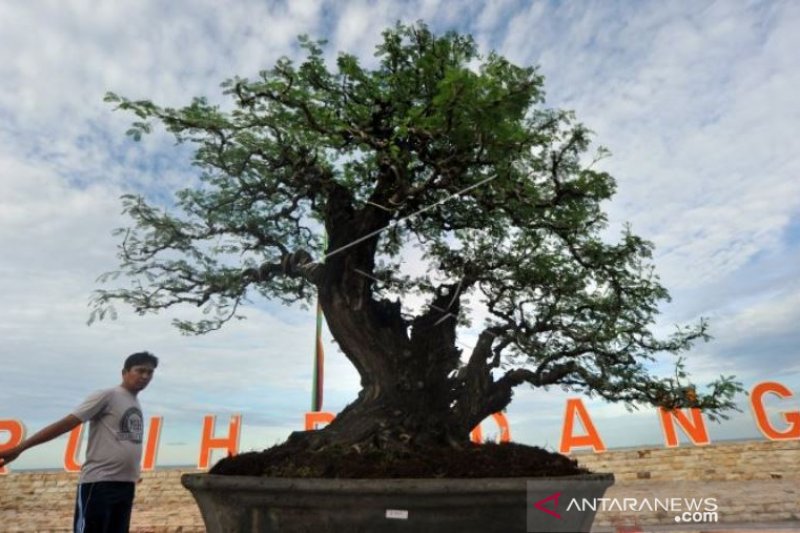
(157, 468)
(578, 452)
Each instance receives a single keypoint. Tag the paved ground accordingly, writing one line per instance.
(753, 505)
(761, 527)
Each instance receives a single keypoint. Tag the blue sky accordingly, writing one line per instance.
(696, 100)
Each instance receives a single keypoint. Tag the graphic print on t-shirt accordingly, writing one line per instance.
(131, 426)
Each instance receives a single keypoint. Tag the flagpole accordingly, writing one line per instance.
(319, 353)
(319, 364)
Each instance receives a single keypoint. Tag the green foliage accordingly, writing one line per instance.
(437, 147)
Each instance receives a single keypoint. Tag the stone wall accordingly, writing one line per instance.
(757, 481)
(746, 460)
(751, 482)
(44, 502)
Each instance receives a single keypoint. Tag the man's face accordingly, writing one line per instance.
(137, 377)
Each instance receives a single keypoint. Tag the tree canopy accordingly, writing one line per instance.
(436, 148)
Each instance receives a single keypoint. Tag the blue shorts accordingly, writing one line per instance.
(104, 507)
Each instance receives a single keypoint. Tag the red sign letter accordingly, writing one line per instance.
(151, 447)
(502, 422)
(16, 432)
(314, 418)
(208, 442)
(694, 429)
(592, 437)
(71, 463)
(760, 413)
(72, 451)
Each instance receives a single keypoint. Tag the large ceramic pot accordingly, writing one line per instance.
(232, 504)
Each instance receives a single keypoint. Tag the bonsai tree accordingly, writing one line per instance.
(436, 149)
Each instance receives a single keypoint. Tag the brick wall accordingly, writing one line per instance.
(756, 481)
(749, 460)
(44, 502)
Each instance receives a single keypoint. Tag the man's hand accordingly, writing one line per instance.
(49, 433)
(6, 456)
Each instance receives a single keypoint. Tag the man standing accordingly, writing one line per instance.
(113, 455)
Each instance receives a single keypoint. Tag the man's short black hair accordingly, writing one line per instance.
(140, 358)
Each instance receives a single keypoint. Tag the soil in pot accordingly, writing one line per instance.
(488, 460)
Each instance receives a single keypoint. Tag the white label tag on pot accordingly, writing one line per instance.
(397, 514)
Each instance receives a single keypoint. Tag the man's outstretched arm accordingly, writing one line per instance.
(49, 433)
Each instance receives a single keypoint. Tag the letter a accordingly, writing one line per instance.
(568, 439)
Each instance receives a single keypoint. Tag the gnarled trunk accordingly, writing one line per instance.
(407, 369)
(412, 391)
(407, 391)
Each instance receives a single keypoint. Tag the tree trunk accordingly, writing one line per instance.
(407, 387)
(409, 393)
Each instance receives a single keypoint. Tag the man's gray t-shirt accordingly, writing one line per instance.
(115, 436)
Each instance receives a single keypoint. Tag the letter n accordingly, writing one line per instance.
(209, 442)
(16, 431)
(695, 428)
(568, 439)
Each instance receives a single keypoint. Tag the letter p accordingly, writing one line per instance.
(16, 430)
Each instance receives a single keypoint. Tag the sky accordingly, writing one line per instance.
(693, 98)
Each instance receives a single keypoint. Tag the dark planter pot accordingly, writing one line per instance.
(232, 504)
